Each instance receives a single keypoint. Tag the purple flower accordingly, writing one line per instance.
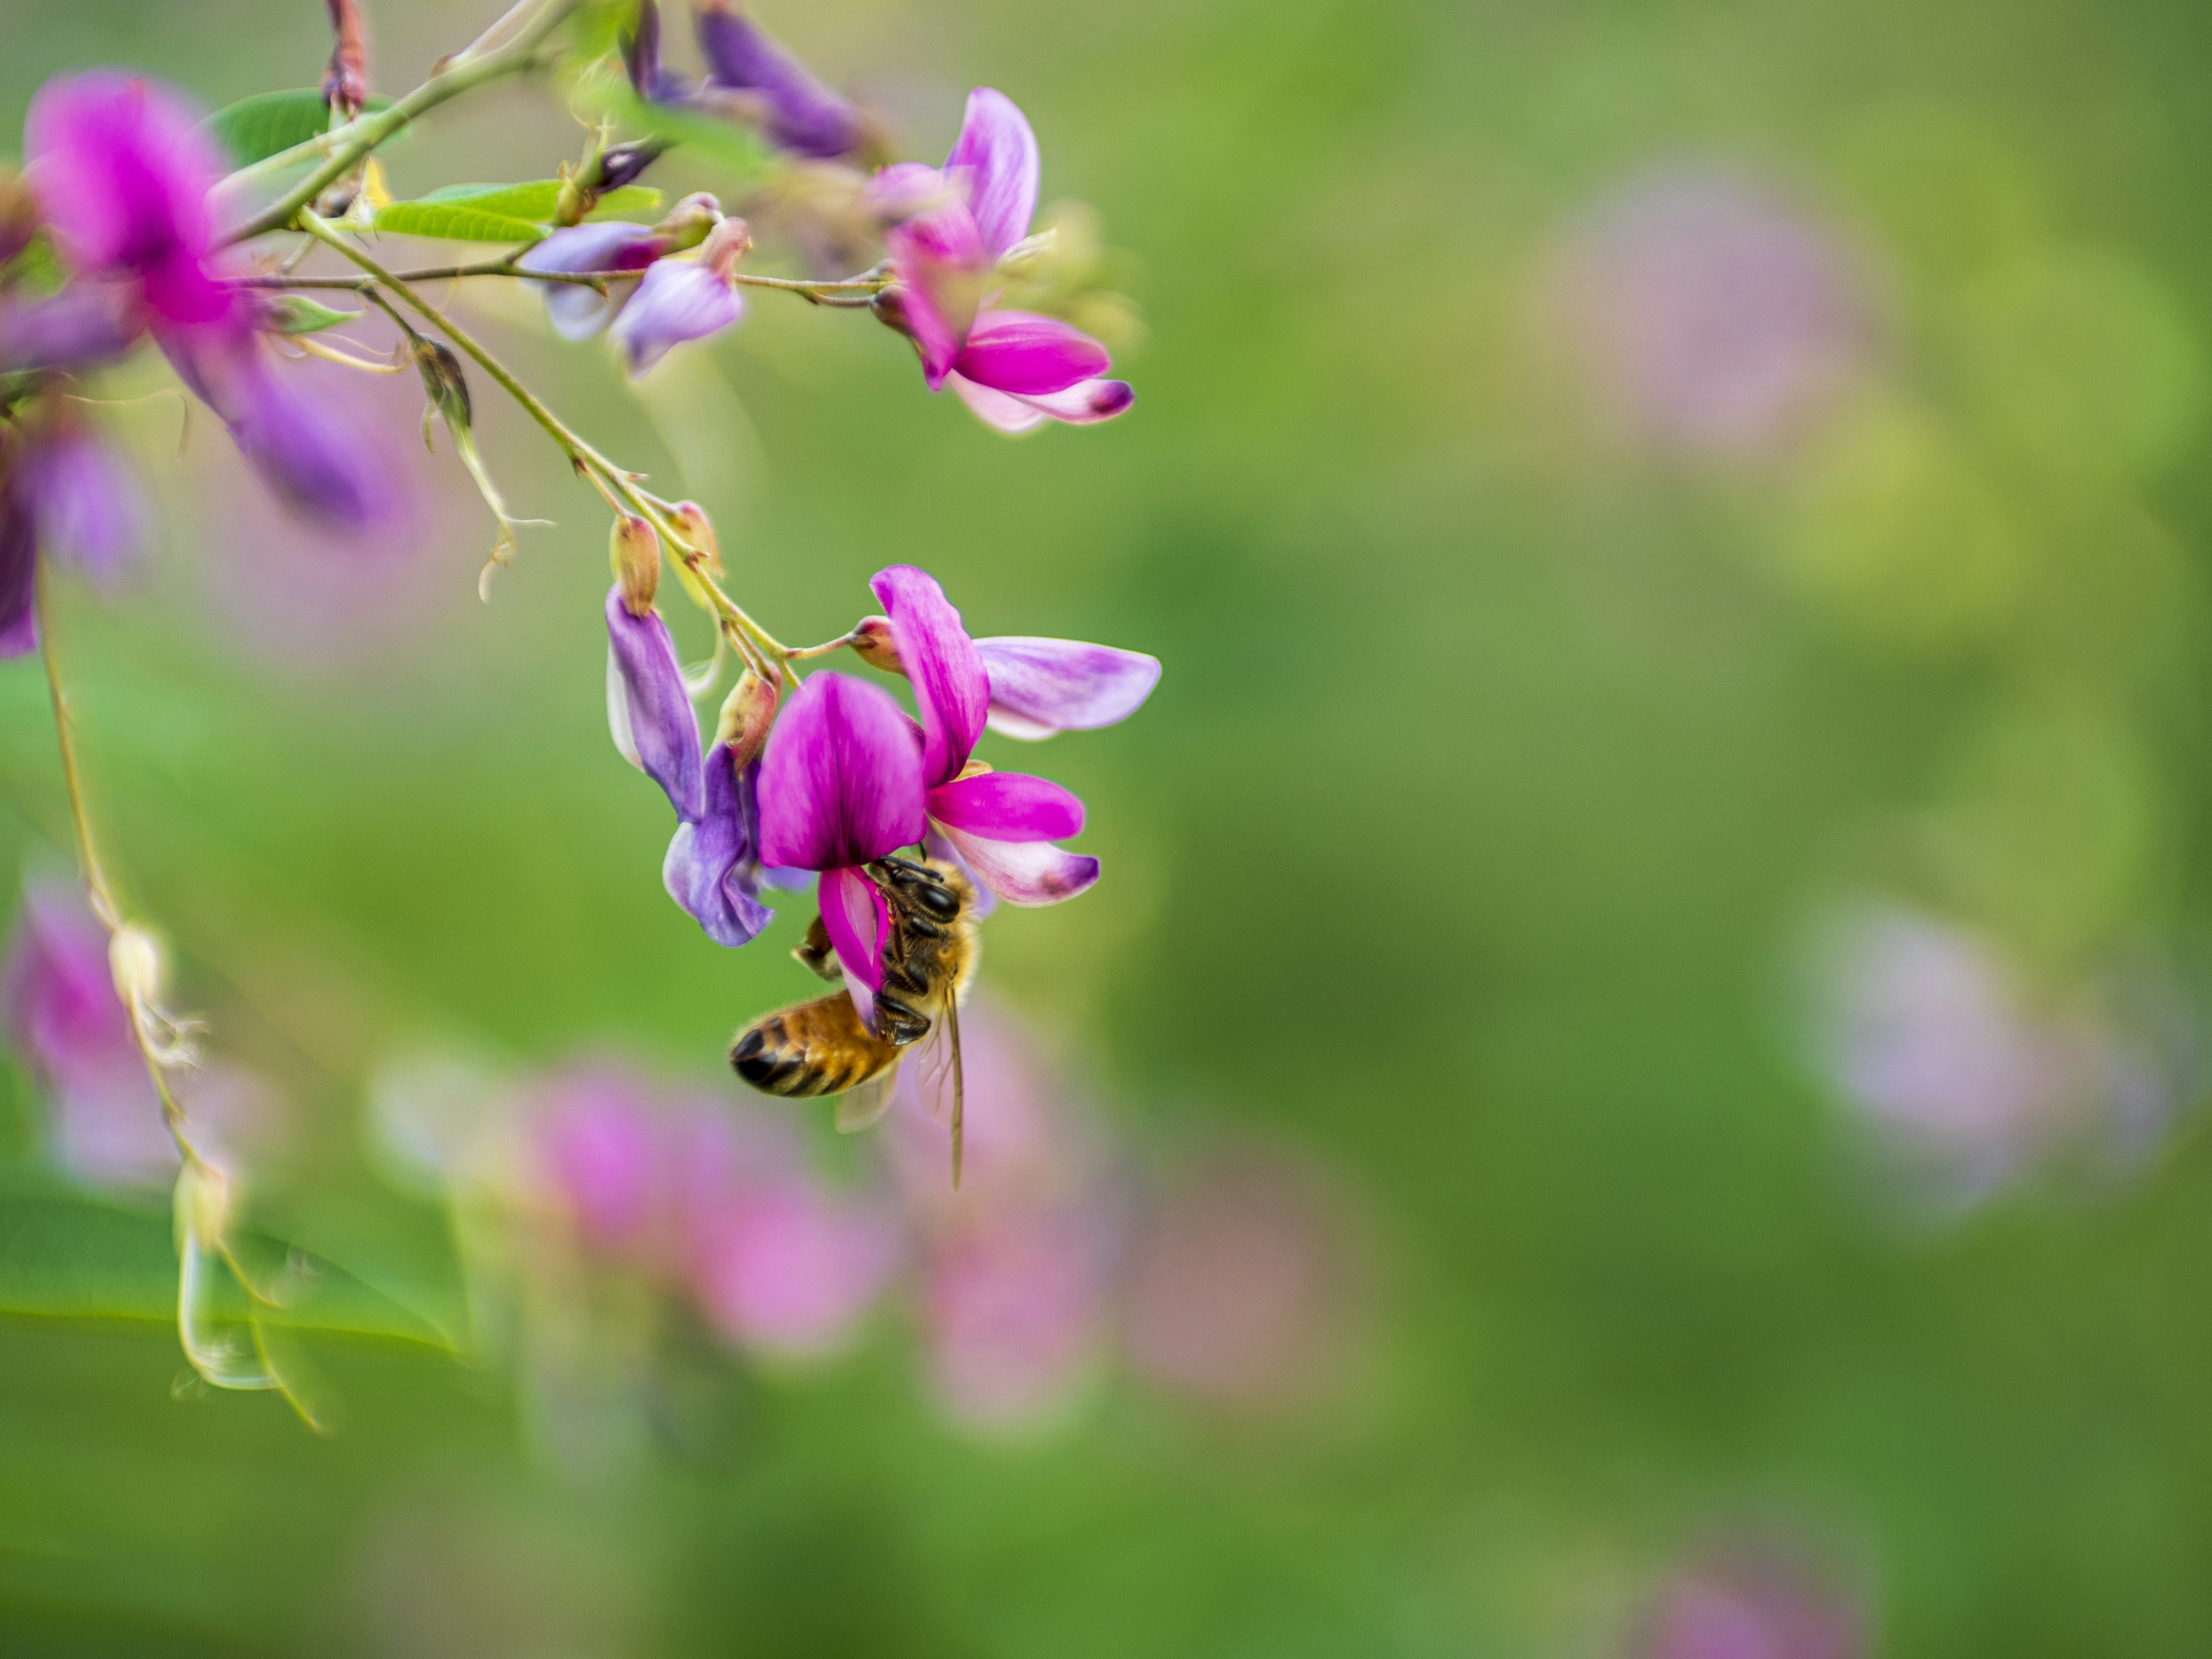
(712, 868)
(1002, 825)
(648, 707)
(950, 228)
(1715, 315)
(121, 168)
(840, 785)
(679, 300)
(308, 452)
(1039, 687)
(596, 1132)
(1752, 1604)
(578, 312)
(786, 1266)
(85, 501)
(795, 110)
(86, 322)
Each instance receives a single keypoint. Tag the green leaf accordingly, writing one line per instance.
(67, 1254)
(540, 200)
(269, 123)
(295, 313)
(37, 267)
(454, 222)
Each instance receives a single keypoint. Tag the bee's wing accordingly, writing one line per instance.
(862, 1104)
(941, 1077)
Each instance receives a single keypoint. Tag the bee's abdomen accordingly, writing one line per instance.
(818, 1048)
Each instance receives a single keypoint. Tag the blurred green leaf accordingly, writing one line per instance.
(538, 200)
(37, 267)
(270, 123)
(455, 222)
(295, 313)
(66, 1254)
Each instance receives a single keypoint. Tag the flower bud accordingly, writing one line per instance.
(634, 552)
(578, 193)
(443, 383)
(134, 960)
(747, 713)
(699, 530)
(873, 644)
(19, 215)
(689, 222)
(1031, 256)
(889, 305)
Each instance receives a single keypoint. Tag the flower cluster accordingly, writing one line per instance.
(135, 219)
(839, 776)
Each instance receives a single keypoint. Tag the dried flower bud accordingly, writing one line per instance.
(873, 644)
(689, 222)
(699, 530)
(443, 382)
(747, 713)
(345, 83)
(135, 962)
(634, 552)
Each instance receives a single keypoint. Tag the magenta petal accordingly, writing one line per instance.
(950, 684)
(1029, 356)
(121, 168)
(1010, 415)
(997, 154)
(648, 711)
(841, 784)
(858, 921)
(1008, 806)
(1028, 872)
(940, 258)
(1039, 687)
(679, 300)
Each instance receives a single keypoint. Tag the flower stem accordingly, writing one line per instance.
(822, 291)
(597, 468)
(487, 59)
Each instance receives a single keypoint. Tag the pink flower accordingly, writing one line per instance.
(597, 1133)
(1015, 1265)
(840, 785)
(786, 1267)
(121, 168)
(1752, 1604)
(1003, 825)
(950, 228)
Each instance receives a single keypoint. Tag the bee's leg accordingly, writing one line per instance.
(898, 1022)
(816, 952)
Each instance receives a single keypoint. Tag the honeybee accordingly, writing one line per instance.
(822, 1046)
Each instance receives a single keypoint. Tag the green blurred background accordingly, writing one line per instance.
(1516, 727)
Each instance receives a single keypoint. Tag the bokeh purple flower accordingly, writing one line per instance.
(1015, 1268)
(85, 501)
(1716, 316)
(747, 72)
(1751, 1602)
(121, 168)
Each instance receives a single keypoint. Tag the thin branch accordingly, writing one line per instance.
(343, 147)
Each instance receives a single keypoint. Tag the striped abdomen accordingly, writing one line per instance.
(820, 1047)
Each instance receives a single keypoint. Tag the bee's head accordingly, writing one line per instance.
(936, 890)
